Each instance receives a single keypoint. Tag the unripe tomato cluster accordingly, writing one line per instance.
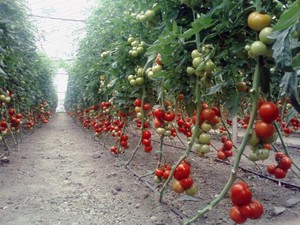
(138, 47)
(182, 180)
(260, 22)
(202, 67)
(156, 68)
(280, 170)
(244, 207)
(150, 16)
(226, 150)
(137, 79)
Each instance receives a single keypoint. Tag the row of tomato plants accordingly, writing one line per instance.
(207, 62)
(27, 93)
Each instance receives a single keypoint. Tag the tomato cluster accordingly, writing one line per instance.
(182, 180)
(260, 22)
(146, 140)
(184, 125)
(226, 150)
(141, 112)
(162, 173)
(209, 119)
(244, 207)
(163, 122)
(280, 170)
(15, 119)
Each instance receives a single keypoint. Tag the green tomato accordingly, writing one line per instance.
(264, 33)
(263, 154)
(197, 61)
(156, 68)
(139, 81)
(253, 157)
(209, 66)
(190, 70)
(205, 149)
(258, 48)
(195, 53)
(204, 138)
(206, 127)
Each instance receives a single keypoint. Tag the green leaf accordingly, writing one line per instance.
(281, 48)
(289, 17)
(296, 61)
(288, 83)
(198, 25)
(232, 104)
(216, 88)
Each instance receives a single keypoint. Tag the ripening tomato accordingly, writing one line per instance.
(268, 112)
(208, 114)
(176, 186)
(221, 155)
(257, 21)
(158, 59)
(264, 130)
(236, 215)
(240, 194)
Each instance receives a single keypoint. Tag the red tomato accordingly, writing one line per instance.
(182, 171)
(138, 102)
(158, 113)
(166, 173)
(236, 215)
(264, 130)
(158, 172)
(271, 168)
(285, 163)
(169, 116)
(227, 145)
(253, 210)
(279, 173)
(186, 182)
(216, 110)
(228, 153)
(240, 194)
(146, 134)
(148, 148)
(146, 142)
(146, 106)
(268, 112)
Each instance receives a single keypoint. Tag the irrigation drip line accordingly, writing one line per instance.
(283, 183)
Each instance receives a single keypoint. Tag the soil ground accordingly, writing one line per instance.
(60, 176)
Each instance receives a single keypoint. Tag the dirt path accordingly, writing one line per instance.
(54, 178)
